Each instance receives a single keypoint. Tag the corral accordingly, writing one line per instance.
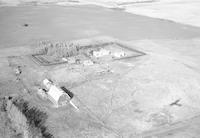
(52, 54)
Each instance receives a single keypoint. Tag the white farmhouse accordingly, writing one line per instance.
(101, 53)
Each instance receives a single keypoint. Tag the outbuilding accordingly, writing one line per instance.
(55, 94)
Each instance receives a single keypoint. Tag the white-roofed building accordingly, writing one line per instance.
(55, 94)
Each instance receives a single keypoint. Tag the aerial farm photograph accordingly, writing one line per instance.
(99, 68)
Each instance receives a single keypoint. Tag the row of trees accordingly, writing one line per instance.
(59, 49)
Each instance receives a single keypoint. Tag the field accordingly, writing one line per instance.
(153, 95)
